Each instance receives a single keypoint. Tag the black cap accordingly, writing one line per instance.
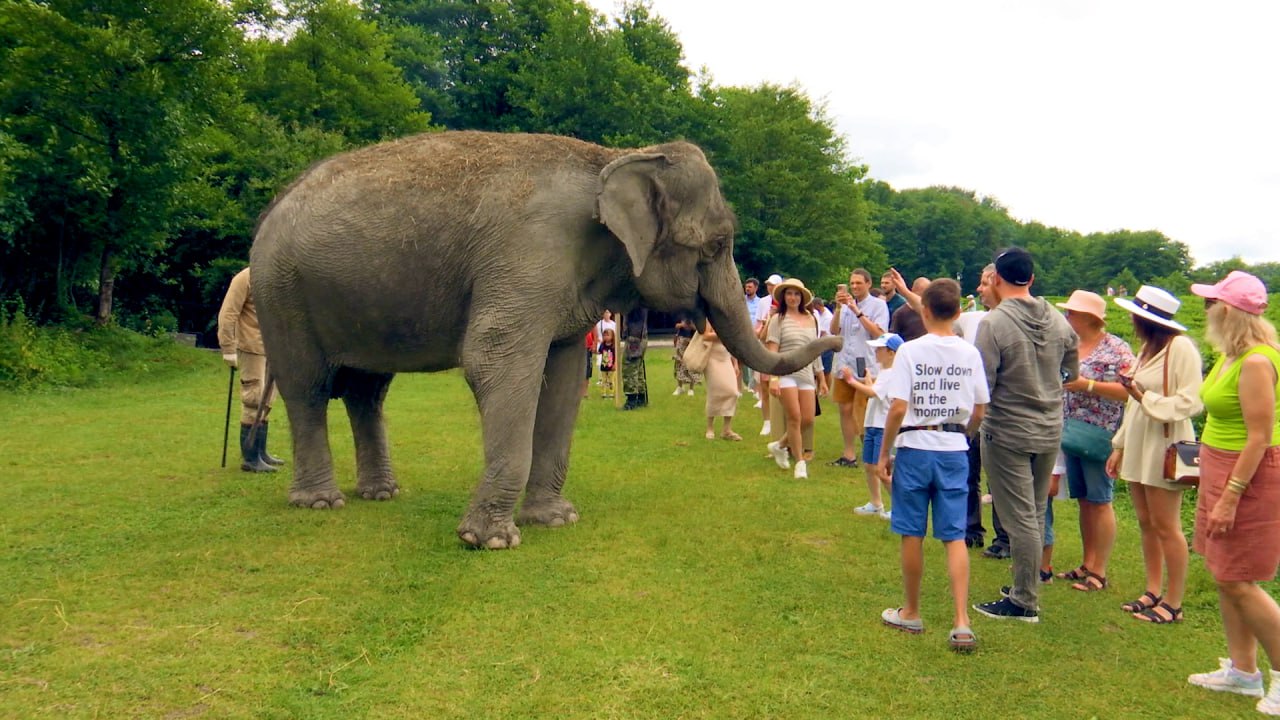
(1014, 265)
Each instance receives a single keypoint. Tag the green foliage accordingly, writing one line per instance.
(797, 198)
(34, 357)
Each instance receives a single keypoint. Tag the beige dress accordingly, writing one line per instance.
(722, 382)
(1142, 432)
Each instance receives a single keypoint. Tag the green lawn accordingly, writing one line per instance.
(138, 579)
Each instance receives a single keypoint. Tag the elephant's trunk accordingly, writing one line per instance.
(726, 306)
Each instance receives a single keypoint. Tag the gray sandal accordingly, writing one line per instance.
(893, 618)
(962, 640)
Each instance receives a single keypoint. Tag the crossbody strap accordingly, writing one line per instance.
(1167, 348)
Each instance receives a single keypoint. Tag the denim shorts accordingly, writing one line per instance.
(827, 357)
(1087, 480)
(872, 439)
(925, 478)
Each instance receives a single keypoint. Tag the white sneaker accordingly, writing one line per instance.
(780, 454)
(759, 404)
(1229, 679)
(689, 392)
(802, 470)
(766, 429)
(886, 515)
(1270, 705)
(868, 509)
(679, 391)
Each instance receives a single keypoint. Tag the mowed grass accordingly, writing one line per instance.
(138, 579)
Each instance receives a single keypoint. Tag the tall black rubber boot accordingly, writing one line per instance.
(250, 453)
(267, 457)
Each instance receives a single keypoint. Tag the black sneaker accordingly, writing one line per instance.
(974, 541)
(1006, 609)
(844, 462)
(997, 552)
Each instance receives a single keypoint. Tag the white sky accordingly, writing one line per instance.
(1082, 114)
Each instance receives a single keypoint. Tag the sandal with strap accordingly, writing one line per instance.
(1141, 604)
(962, 640)
(1093, 582)
(1152, 615)
(1075, 574)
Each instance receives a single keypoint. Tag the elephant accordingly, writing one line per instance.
(495, 253)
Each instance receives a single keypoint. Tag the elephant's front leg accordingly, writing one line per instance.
(505, 381)
(552, 433)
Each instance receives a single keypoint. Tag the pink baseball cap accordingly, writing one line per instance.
(1238, 289)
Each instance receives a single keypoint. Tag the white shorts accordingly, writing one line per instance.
(789, 381)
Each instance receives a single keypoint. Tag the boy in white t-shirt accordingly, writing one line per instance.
(885, 347)
(938, 398)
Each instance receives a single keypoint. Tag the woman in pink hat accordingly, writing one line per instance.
(1093, 403)
(1238, 512)
(1164, 394)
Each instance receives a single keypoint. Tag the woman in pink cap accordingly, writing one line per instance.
(1238, 512)
(1094, 400)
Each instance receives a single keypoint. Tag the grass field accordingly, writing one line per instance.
(138, 579)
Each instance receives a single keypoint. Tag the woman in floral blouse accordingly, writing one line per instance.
(1096, 397)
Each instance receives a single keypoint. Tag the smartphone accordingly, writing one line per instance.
(860, 366)
(842, 287)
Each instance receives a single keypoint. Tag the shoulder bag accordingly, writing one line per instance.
(1086, 440)
(1181, 459)
(696, 354)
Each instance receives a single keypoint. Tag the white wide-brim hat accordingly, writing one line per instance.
(779, 292)
(1154, 304)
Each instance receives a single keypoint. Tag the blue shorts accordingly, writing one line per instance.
(827, 357)
(872, 439)
(924, 478)
(1087, 480)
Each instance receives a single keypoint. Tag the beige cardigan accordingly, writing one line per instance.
(1141, 434)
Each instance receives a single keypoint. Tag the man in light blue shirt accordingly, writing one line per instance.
(858, 318)
(751, 287)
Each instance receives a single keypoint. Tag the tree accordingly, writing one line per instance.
(797, 198)
(102, 96)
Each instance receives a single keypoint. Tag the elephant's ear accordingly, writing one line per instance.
(631, 201)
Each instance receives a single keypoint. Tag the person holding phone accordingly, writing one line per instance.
(858, 318)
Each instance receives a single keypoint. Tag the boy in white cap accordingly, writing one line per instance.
(885, 347)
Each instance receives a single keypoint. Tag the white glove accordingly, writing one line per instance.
(230, 359)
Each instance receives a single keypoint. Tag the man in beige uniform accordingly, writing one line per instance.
(241, 343)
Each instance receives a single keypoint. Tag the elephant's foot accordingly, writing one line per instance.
(319, 498)
(479, 530)
(383, 487)
(552, 512)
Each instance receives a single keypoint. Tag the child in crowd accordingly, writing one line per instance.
(937, 397)
(886, 347)
(1055, 488)
(608, 362)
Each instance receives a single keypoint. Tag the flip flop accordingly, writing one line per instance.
(893, 618)
(962, 640)
(735, 437)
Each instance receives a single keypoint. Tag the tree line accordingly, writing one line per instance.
(139, 141)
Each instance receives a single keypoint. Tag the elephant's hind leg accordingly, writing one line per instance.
(363, 395)
(557, 411)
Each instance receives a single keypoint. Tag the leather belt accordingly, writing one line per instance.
(945, 427)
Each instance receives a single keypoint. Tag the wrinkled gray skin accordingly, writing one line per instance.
(495, 253)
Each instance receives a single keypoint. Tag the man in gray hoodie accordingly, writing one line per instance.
(1029, 351)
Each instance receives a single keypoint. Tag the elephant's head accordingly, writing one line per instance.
(664, 204)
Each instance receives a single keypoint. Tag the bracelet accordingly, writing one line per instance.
(1236, 486)
(859, 315)
(1089, 388)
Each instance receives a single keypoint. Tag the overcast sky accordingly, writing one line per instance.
(1081, 114)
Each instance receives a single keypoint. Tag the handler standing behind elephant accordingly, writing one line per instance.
(241, 343)
(635, 340)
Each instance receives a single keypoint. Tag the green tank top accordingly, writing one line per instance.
(1224, 426)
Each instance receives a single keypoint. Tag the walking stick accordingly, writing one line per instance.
(226, 431)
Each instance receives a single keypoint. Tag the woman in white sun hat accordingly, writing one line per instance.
(793, 327)
(1164, 394)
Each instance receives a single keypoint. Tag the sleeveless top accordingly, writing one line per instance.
(1224, 426)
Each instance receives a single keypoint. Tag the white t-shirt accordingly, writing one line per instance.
(824, 321)
(764, 310)
(968, 322)
(941, 378)
(878, 405)
(606, 325)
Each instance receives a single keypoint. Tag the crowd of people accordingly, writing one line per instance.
(932, 390)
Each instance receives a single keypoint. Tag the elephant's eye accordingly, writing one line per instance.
(716, 246)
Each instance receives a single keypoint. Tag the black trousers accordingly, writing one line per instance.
(975, 532)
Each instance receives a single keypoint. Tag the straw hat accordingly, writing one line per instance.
(1154, 304)
(1083, 301)
(792, 283)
